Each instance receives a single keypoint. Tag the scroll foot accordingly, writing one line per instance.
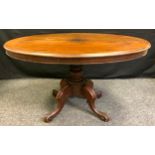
(99, 94)
(55, 92)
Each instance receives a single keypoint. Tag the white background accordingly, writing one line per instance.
(84, 14)
(80, 14)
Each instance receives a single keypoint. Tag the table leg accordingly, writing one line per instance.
(91, 96)
(61, 96)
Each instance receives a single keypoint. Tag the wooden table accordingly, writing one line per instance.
(76, 49)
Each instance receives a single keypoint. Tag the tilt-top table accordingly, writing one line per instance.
(76, 49)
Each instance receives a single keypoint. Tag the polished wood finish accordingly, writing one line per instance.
(76, 49)
(76, 85)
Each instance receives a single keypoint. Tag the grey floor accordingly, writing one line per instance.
(127, 101)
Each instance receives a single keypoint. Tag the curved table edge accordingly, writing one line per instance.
(76, 61)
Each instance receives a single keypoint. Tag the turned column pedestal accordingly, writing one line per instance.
(76, 85)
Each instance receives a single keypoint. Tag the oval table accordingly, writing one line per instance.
(76, 49)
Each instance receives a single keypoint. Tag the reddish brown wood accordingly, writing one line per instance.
(76, 49)
(76, 85)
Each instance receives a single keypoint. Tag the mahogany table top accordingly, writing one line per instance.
(76, 48)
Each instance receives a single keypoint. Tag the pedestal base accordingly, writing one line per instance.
(76, 85)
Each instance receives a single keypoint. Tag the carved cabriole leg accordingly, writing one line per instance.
(91, 84)
(62, 95)
(91, 96)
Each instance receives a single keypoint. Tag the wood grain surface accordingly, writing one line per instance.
(77, 48)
